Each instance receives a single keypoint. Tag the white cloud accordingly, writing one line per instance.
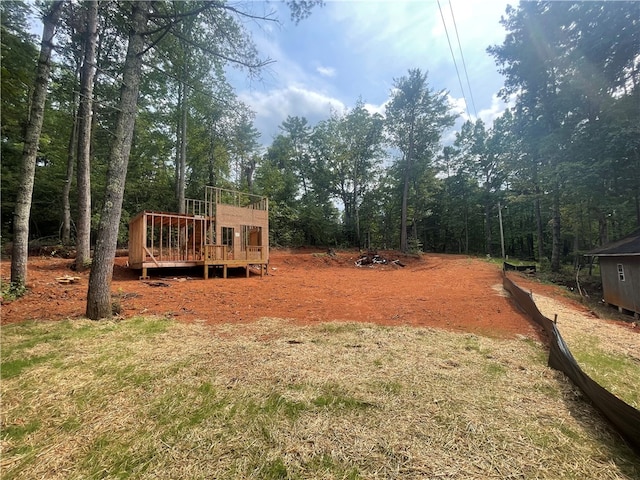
(495, 110)
(274, 106)
(459, 106)
(487, 115)
(326, 71)
(370, 43)
(389, 32)
(386, 38)
(371, 108)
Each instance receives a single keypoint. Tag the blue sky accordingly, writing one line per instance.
(355, 48)
(351, 49)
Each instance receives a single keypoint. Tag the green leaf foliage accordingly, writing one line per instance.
(562, 163)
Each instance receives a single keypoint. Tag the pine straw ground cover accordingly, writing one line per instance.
(606, 351)
(153, 398)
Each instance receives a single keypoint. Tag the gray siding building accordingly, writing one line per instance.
(620, 272)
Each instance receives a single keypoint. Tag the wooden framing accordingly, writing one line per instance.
(227, 228)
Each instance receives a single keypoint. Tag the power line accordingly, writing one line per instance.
(464, 65)
(466, 105)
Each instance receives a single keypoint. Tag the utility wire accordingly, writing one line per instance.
(464, 65)
(466, 105)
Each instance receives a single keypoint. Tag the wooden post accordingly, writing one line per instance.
(153, 220)
(501, 229)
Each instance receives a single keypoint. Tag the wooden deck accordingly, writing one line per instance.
(221, 255)
(225, 264)
(227, 229)
(189, 255)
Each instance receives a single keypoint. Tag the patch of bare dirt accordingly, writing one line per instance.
(446, 291)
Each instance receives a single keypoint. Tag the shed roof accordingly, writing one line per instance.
(626, 246)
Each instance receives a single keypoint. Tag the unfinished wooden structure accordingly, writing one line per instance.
(226, 229)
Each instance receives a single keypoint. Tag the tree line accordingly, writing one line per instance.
(126, 107)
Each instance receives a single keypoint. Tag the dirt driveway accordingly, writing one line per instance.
(445, 291)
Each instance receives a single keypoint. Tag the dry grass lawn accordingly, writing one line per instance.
(154, 398)
(607, 351)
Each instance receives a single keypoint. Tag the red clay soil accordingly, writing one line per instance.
(444, 291)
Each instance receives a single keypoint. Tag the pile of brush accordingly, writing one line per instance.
(372, 258)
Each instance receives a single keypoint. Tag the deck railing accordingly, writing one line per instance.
(195, 207)
(167, 237)
(220, 196)
(236, 198)
(216, 252)
(213, 253)
(255, 253)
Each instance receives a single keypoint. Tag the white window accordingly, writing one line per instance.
(621, 272)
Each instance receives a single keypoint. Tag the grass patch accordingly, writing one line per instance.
(389, 387)
(605, 351)
(340, 327)
(327, 463)
(273, 470)
(616, 372)
(332, 397)
(122, 459)
(18, 432)
(277, 405)
(495, 369)
(143, 325)
(153, 398)
(13, 368)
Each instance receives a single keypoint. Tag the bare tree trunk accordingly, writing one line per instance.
(356, 207)
(72, 152)
(637, 197)
(487, 223)
(99, 294)
(466, 227)
(181, 150)
(178, 148)
(637, 207)
(249, 172)
(83, 239)
(414, 232)
(357, 226)
(556, 244)
(603, 229)
(22, 212)
(210, 165)
(540, 230)
(404, 244)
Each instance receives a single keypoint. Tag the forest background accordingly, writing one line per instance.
(561, 166)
